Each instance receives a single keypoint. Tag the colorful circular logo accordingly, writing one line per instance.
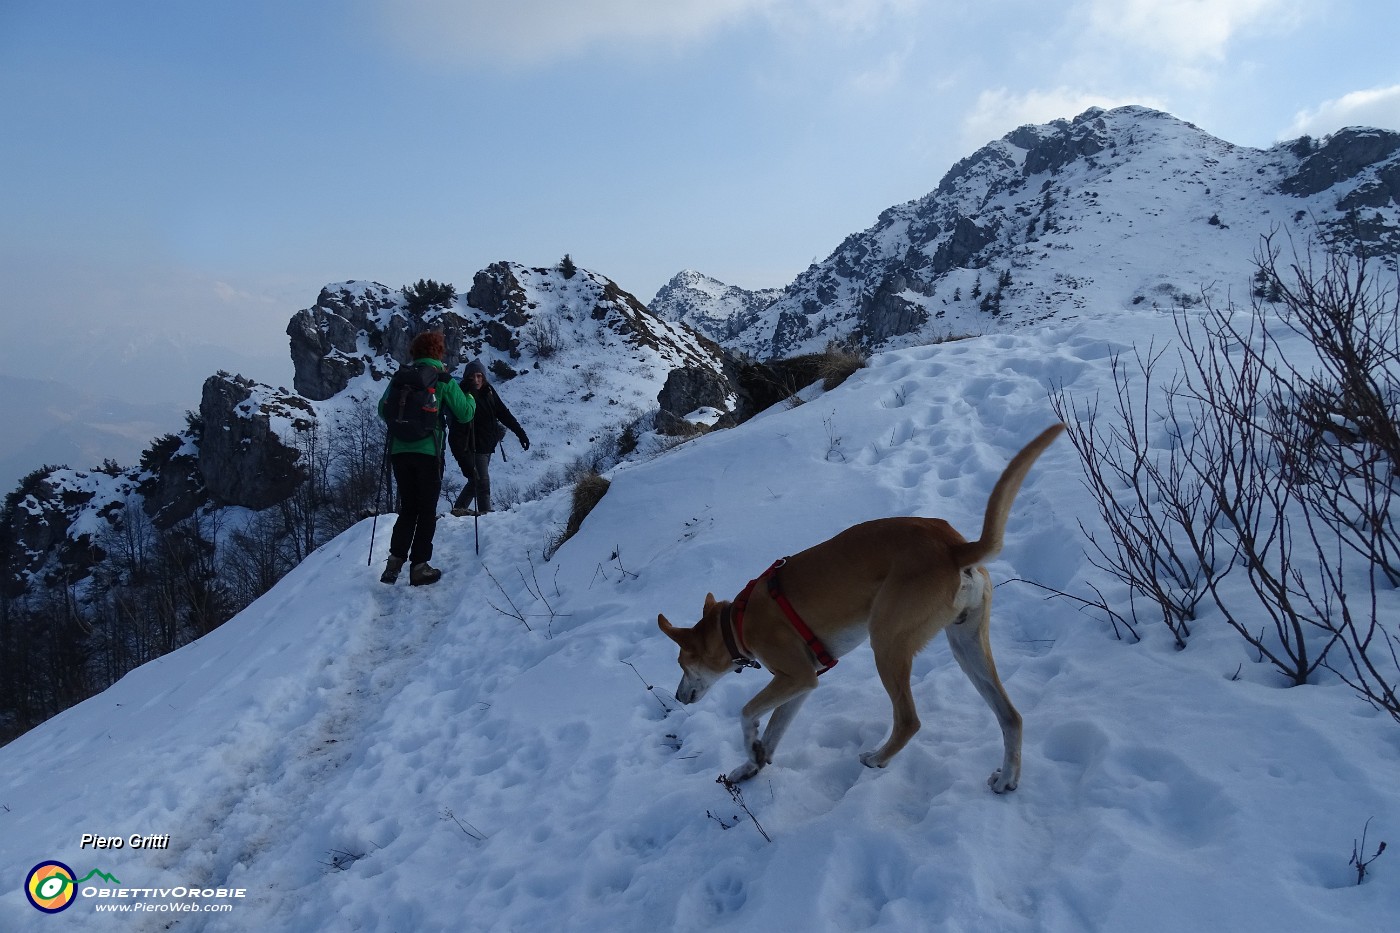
(50, 887)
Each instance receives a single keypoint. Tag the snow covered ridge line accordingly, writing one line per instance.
(1120, 208)
(577, 357)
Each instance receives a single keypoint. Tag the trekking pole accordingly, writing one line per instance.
(442, 458)
(476, 486)
(379, 499)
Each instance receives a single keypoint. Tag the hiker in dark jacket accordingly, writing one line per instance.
(418, 469)
(474, 442)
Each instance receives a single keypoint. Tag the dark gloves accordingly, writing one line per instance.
(524, 441)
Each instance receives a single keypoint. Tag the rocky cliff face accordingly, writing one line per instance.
(355, 328)
(239, 452)
(511, 313)
(247, 454)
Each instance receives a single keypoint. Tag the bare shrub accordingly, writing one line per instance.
(589, 490)
(837, 364)
(1252, 464)
(1147, 502)
(542, 337)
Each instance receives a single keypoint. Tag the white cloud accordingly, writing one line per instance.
(850, 16)
(529, 32)
(1379, 107)
(998, 112)
(1186, 30)
(883, 76)
(534, 32)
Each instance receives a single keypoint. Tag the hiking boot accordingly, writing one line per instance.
(422, 574)
(464, 512)
(391, 569)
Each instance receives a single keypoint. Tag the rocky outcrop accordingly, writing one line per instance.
(359, 327)
(52, 526)
(1046, 155)
(1341, 157)
(36, 523)
(171, 484)
(243, 457)
(325, 338)
(1364, 166)
(687, 389)
(888, 313)
(498, 293)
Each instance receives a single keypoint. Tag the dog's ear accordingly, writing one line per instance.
(670, 630)
(681, 636)
(709, 601)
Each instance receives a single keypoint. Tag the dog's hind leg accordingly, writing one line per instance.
(895, 663)
(972, 648)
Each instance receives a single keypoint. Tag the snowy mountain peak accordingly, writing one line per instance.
(709, 305)
(1130, 206)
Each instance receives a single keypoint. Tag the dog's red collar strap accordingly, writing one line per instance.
(731, 627)
(775, 592)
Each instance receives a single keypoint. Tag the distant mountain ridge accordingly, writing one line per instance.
(722, 311)
(1129, 206)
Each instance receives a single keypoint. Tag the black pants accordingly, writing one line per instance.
(419, 481)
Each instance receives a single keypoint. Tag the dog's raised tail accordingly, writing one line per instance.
(1003, 494)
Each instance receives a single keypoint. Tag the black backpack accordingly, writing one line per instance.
(411, 407)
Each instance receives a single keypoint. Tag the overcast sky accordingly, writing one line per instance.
(181, 177)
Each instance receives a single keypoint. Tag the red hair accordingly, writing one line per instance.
(427, 344)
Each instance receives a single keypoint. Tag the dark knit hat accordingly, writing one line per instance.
(474, 367)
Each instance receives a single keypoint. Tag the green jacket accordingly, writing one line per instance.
(459, 403)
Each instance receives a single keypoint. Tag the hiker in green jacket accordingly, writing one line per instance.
(418, 466)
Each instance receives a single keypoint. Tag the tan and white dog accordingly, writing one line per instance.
(898, 582)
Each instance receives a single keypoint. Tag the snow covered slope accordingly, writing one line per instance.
(501, 751)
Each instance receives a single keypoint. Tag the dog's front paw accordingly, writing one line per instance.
(999, 784)
(742, 773)
(871, 760)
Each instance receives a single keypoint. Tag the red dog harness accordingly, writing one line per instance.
(732, 623)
